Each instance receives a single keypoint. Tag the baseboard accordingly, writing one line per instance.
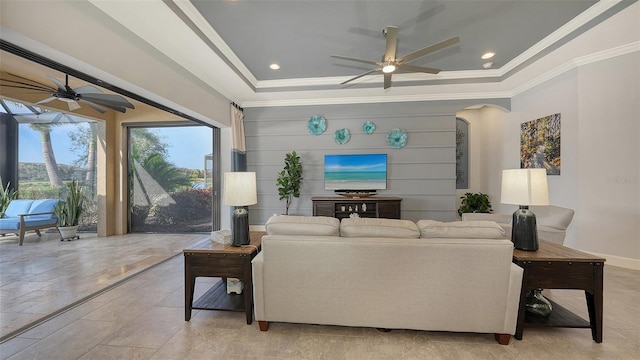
(618, 261)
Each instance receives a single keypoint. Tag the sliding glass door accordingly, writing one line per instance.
(172, 180)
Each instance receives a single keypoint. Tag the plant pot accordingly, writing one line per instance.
(68, 232)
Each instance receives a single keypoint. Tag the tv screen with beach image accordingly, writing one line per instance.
(355, 172)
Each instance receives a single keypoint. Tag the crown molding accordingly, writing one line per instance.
(577, 62)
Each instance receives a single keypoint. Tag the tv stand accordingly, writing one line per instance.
(368, 207)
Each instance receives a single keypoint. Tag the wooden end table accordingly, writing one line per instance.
(555, 266)
(211, 259)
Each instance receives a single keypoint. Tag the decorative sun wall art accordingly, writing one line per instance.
(317, 124)
(368, 127)
(540, 144)
(397, 138)
(342, 136)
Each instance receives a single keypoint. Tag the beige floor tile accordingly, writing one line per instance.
(143, 318)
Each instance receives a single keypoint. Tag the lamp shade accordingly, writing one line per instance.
(524, 187)
(240, 188)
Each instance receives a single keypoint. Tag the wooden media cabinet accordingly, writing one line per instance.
(365, 207)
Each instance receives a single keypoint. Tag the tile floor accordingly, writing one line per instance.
(143, 317)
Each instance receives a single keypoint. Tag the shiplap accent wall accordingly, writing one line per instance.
(423, 173)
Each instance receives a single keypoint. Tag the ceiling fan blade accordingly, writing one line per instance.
(391, 32)
(58, 83)
(47, 100)
(429, 49)
(106, 104)
(413, 68)
(359, 76)
(107, 100)
(73, 105)
(20, 85)
(387, 80)
(87, 89)
(31, 82)
(355, 59)
(99, 108)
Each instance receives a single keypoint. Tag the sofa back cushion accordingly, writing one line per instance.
(387, 228)
(18, 207)
(553, 216)
(303, 225)
(460, 229)
(43, 206)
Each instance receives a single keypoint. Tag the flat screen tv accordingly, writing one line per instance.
(355, 172)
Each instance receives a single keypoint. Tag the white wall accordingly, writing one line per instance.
(598, 101)
(609, 156)
(600, 150)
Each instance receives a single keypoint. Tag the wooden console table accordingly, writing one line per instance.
(342, 207)
(555, 266)
(210, 259)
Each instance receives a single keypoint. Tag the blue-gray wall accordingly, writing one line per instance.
(423, 173)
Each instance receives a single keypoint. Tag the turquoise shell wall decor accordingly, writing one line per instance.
(397, 138)
(342, 136)
(368, 127)
(317, 125)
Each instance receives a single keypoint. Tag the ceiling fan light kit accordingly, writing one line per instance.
(391, 63)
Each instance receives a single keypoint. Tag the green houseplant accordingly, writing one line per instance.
(69, 210)
(289, 179)
(475, 203)
(6, 195)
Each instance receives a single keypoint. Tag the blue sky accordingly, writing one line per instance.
(187, 145)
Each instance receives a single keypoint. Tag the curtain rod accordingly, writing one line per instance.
(237, 106)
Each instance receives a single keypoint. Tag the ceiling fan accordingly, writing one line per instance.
(88, 94)
(391, 64)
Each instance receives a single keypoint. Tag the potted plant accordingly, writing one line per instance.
(6, 195)
(475, 203)
(289, 179)
(69, 210)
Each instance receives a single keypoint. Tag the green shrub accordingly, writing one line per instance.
(475, 203)
(190, 205)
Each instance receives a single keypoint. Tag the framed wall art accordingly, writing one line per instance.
(540, 144)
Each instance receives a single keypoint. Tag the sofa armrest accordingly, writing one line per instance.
(42, 213)
(257, 271)
(513, 298)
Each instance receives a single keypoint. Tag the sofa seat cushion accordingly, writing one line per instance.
(460, 229)
(10, 224)
(388, 228)
(303, 225)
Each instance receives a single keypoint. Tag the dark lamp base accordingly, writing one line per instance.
(240, 227)
(524, 232)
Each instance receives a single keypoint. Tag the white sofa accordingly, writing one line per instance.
(390, 274)
(552, 221)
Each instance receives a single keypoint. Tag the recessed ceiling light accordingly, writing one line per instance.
(487, 55)
(274, 66)
(487, 65)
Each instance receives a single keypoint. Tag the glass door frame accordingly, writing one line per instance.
(216, 178)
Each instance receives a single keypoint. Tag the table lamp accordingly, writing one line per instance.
(524, 187)
(240, 191)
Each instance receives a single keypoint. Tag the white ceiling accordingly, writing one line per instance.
(245, 36)
(227, 46)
